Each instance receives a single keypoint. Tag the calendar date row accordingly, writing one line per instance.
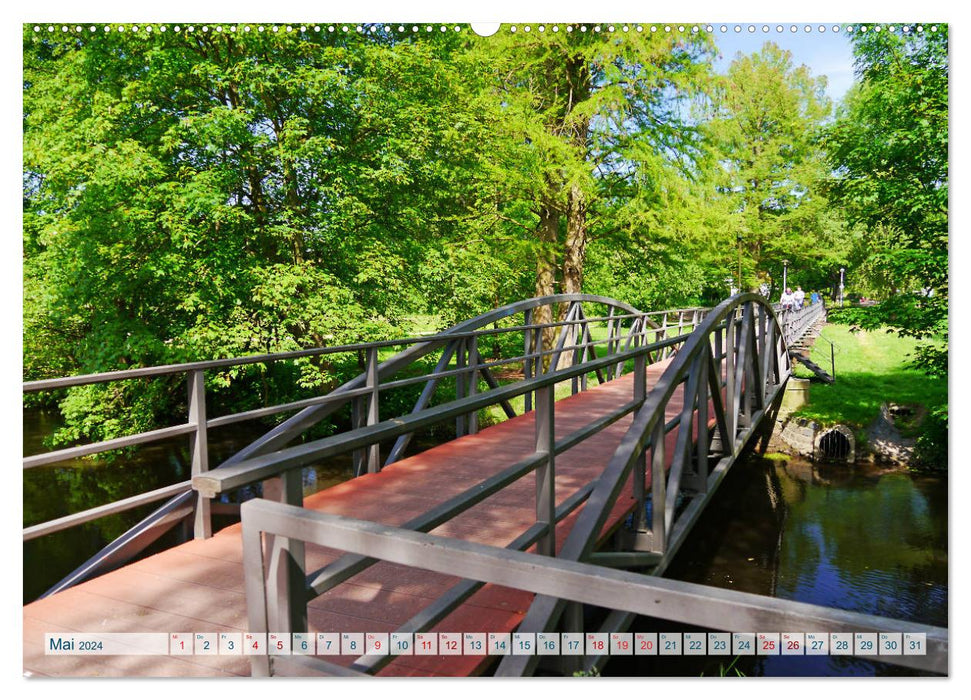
(358, 644)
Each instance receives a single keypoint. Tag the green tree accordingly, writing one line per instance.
(889, 150)
(215, 193)
(594, 131)
(767, 112)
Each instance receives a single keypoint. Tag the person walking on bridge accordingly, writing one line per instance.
(787, 301)
(799, 297)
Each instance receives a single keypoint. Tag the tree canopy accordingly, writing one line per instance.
(192, 195)
(889, 149)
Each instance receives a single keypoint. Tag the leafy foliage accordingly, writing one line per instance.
(197, 195)
(770, 168)
(890, 150)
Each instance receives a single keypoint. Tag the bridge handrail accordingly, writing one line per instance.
(254, 469)
(796, 322)
(53, 384)
(272, 608)
(197, 425)
(55, 456)
(38, 385)
(739, 394)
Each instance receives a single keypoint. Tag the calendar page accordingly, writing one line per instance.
(356, 346)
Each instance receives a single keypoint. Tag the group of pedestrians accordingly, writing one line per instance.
(793, 301)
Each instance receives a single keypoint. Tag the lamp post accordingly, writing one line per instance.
(842, 270)
(785, 270)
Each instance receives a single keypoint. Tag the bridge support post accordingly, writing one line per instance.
(472, 419)
(731, 416)
(460, 352)
(609, 369)
(696, 477)
(576, 339)
(357, 421)
(546, 473)
(364, 411)
(640, 464)
(199, 449)
(286, 587)
(584, 351)
(658, 487)
(527, 360)
(374, 451)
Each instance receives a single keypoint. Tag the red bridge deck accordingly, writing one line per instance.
(198, 586)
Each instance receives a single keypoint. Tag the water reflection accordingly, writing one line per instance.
(845, 536)
(75, 485)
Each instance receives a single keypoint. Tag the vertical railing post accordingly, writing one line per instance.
(760, 334)
(718, 351)
(608, 370)
(640, 464)
(358, 413)
(586, 352)
(374, 450)
(538, 344)
(745, 386)
(546, 472)
(472, 418)
(199, 449)
(286, 586)
(576, 339)
(460, 385)
(359, 420)
(730, 415)
(658, 486)
(527, 360)
(718, 440)
(662, 334)
(700, 480)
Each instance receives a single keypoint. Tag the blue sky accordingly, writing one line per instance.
(824, 53)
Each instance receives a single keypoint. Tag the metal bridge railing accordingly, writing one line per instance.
(274, 536)
(722, 384)
(797, 322)
(727, 375)
(547, 346)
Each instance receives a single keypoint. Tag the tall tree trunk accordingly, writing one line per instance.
(549, 220)
(573, 259)
(578, 73)
(576, 242)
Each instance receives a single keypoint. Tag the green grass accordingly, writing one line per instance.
(871, 368)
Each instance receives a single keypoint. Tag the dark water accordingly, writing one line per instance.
(844, 536)
(74, 485)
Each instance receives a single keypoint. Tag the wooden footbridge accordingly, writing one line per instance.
(575, 501)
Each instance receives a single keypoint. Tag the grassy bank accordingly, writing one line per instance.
(871, 368)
